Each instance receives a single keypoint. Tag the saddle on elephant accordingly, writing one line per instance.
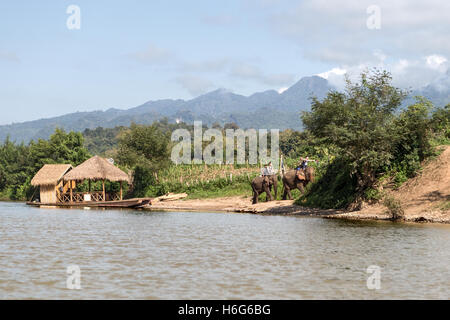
(300, 174)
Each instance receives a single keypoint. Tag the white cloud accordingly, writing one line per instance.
(212, 65)
(406, 73)
(252, 72)
(435, 61)
(401, 65)
(334, 71)
(153, 55)
(379, 55)
(194, 84)
(336, 31)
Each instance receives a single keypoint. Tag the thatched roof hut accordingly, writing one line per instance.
(50, 180)
(50, 174)
(96, 168)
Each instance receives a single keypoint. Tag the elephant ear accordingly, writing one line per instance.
(310, 174)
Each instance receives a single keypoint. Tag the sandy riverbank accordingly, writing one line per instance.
(238, 204)
(287, 207)
(424, 198)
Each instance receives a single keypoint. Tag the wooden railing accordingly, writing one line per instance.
(95, 196)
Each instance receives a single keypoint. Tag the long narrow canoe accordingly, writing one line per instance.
(130, 203)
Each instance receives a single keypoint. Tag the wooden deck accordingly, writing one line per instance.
(130, 203)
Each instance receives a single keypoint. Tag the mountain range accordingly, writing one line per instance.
(267, 109)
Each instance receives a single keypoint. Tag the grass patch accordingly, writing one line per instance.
(394, 207)
(232, 190)
(203, 182)
(445, 205)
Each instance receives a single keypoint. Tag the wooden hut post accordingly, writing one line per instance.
(121, 192)
(71, 191)
(89, 185)
(97, 169)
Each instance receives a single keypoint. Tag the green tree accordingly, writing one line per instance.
(441, 121)
(62, 147)
(147, 146)
(19, 163)
(414, 129)
(145, 149)
(14, 162)
(360, 123)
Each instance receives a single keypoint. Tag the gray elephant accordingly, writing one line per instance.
(292, 180)
(264, 184)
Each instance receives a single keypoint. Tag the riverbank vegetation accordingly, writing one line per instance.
(362, 138)
(373, 141)
(20, 162)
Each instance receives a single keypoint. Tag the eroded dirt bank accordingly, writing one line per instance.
(423, 198)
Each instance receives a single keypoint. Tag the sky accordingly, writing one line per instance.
(125, 53)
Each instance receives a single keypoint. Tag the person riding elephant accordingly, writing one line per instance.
(297, 179)
(264, 183)
(303, 164)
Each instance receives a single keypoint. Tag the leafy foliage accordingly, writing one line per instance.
(394, 207)
(334, 189)
(102, 141)
(19, 163)
(369, 138)
(360, 123)
(146, 146)
(145, 149)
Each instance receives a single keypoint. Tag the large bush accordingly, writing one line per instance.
(370, 137)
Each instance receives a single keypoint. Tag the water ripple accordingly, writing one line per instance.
(139, 255)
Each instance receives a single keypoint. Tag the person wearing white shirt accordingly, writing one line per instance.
(267, 170)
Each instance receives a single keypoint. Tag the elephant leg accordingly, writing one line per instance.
(289, 192)
(284, 193)
(275, 189)
(268, 194)
(255, 197)
(300, 187)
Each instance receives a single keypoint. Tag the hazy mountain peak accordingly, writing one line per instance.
(297, 97)
(266, 109)
(310, 82)
(218, 92)
(266, 93)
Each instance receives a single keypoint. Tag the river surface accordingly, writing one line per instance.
(124, 254)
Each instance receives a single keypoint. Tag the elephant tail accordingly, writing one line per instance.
(253, 186)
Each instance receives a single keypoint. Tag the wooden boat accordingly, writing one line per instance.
(130, 203)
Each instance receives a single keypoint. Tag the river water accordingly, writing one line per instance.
(124, 254)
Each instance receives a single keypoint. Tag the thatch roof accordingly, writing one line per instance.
(50, 174)
(96, 168)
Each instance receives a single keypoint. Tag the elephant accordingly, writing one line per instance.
(292, 181)
(264, 184)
